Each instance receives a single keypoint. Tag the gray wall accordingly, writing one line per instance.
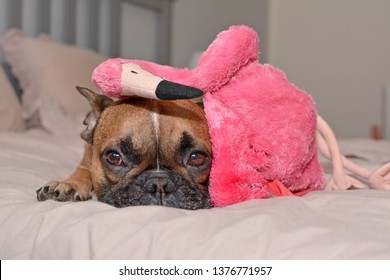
(339, 51)
(197, 22)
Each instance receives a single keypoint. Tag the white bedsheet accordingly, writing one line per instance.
(321, 225)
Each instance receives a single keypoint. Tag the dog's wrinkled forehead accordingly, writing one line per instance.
(151, 121)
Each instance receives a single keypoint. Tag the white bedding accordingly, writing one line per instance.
(351, 224)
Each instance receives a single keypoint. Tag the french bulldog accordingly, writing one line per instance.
(140, 152)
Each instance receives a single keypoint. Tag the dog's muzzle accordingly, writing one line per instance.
(158, 187)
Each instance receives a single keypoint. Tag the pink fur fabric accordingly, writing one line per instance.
(262, 127)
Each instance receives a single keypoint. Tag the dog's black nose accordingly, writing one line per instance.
(159, 184)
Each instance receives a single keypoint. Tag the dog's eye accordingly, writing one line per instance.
(114, 158)
(197, 159)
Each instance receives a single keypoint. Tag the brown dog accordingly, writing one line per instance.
(140, 152)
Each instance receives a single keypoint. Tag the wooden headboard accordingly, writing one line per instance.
(126, 28)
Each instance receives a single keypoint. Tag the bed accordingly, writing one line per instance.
(40, 121)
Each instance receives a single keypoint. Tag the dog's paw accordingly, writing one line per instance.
(61, 191)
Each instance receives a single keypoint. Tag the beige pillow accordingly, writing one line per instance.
(10, 109)
(48, 73)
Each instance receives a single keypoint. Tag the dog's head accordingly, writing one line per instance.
(148, 152)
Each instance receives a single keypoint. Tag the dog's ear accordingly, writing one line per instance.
(98, 104)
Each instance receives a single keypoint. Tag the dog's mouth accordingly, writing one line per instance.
(164, 188)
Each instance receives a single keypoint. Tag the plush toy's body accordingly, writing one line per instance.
(261, 133)
(263, 128)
